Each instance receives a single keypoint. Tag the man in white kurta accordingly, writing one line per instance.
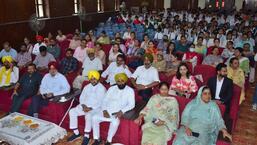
(145, 78)
(90, 63)
(116, 67)
(118, 100)
(53, 84)
(90, 102)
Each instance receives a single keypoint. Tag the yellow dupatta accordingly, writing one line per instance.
(7, 73)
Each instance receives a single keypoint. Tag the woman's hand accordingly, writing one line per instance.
(160, 123)
(139, 120)
(188, 131)
(226, 134)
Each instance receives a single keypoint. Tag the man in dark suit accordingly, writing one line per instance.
(221, 86)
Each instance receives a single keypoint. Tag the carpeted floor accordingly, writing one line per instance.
(244, 134)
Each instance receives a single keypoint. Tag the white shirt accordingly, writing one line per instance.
(94, 64)
(35, 50)
(14, 76)
(145, 76)
(119, 100)
(158, 36)
(92, 96)
(126, 35)
(58, 84)
(112, 70)
(60, 38)
(218, 88)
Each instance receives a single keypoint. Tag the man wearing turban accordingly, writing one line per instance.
(39, 43)
(53, 84)
(90, 63)
(119, 99)
(145, 77)
(9, 74)
(89, 104)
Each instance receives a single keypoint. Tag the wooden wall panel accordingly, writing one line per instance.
(90, 5)
(61, 8)
(153, 4)
(109, 5)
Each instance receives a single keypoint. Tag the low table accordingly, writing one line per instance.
(20, 129)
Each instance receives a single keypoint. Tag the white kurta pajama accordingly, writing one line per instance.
(91, 96)
(115, 100)
(112, 70)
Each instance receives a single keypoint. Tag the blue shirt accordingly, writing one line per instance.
(12, 53)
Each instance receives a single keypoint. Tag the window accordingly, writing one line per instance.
(117, 5)
(76, 6)
(100, 5)
(39, 8)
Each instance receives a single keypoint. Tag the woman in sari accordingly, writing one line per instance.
(161, 117)
(201, 121)
(236, 74)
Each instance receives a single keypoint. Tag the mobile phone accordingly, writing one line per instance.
(195, 134)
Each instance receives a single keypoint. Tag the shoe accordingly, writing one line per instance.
(85, 141)
(73, 137)
(107, 143)
(254, 107)
(96, 142)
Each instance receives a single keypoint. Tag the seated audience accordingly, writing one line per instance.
(92, 36)
(68, 64)
(151, 49)
(130, 43)
(229, 50)
(182, 45)
(183, 83)
(127, 34)
(100, 53)
(160, 116)
(119, 99)
(160, 64)
(53, 84)
(9, 74)
(24, 57)
(39, 43)
(26, 87)
(60, 37)
(214, 58)
(90, 63)
(114, 52)
(28, 44)
(103, 39)
(237, 75)
(244, 62)
(145, 78)
(122, 47)
(81, 52)
(75, 42)
(221, 86)
(116, 67)
(54, 49)
(90, 102)
(8, 51)
(136, 50)
(200, 47)
(191, 56)
(90, 43)
(144, 44)
(201, 121)
(43, 59)
(172, 65)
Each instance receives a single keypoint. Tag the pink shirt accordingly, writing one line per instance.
(183, 84)
(80, 54)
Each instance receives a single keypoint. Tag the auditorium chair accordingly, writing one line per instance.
(206, 71)
(209, 50)
(234, 105)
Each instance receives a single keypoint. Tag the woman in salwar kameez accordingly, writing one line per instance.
(202, 116)
(161, 118)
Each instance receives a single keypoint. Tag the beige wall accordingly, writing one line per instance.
(201, 4)
(167, 4)
(238, 4)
